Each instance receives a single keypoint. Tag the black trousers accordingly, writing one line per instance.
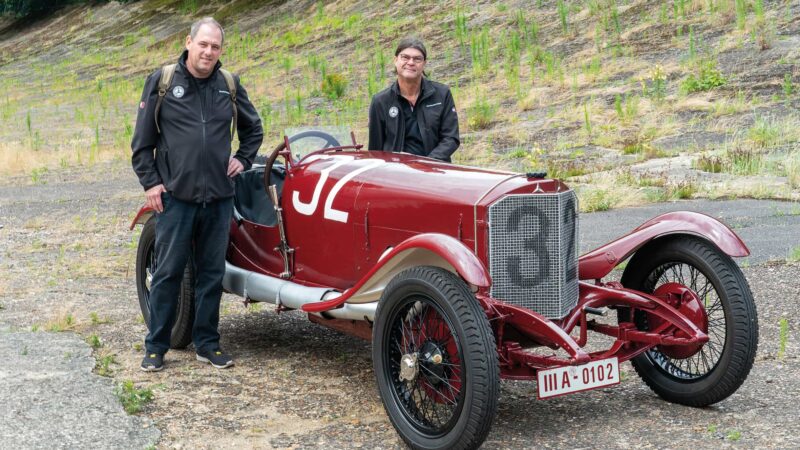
(182, 230)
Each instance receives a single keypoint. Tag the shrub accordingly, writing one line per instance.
(708, 78)
(333, 85)
(482, 113)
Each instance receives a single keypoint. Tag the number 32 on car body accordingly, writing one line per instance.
(308, 208)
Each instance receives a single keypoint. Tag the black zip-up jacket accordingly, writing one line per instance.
(194, 146)
(436, 116)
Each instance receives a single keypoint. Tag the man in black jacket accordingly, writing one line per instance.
(188, 181)
(414, 115)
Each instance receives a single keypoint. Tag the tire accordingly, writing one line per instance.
(720, 366)
(451, 400)
(145, 263)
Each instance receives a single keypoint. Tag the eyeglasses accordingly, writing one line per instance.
(406, 58)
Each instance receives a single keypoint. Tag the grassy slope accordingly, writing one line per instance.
(594, 90)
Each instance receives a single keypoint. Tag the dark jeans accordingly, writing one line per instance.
(182, 230)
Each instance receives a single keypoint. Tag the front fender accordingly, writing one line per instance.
(599, 262)
(141, 217)
(429, 249)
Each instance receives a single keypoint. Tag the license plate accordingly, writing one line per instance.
(569, 379)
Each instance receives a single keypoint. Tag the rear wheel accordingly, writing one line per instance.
(719, 301)
(435, 360)
(145, 267)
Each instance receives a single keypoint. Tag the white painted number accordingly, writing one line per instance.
(329, 212)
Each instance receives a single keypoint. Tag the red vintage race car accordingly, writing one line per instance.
(462, 276)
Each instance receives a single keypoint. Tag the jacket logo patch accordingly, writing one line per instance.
(178, 91)
(142, 105)
(432, 105)
(393, 112)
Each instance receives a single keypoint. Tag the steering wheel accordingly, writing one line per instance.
(330, 141)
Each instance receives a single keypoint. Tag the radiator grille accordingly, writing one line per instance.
(533, 244)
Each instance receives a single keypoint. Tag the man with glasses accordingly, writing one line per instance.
(414, 115)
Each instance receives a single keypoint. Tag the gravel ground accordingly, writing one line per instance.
(65, 250)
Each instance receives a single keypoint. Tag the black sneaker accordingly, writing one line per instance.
(152, 362)
(216, 358)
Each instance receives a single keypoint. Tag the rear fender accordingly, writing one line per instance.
(599, 262)
(429, 249)
(145, 212)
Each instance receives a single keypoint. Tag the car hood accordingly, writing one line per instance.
(406, 178)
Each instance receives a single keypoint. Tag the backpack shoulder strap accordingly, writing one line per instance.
(232, 90)
(167, 72)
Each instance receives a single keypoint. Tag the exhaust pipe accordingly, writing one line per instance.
(262, 288)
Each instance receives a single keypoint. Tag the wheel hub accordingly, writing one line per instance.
(688, 303)
(409, 368)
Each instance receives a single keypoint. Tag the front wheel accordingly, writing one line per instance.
(435, 360)
(145, 267)
(719, 301)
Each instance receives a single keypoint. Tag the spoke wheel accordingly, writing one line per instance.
(145, 267)
(718, 301)
(435, 360)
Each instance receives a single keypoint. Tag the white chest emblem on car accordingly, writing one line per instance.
(178, 91)
(330, 213)
(393, 112)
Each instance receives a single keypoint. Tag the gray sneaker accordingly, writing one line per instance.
(216, 358)
(152, 362)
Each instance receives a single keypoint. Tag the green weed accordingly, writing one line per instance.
(708, 163)
(655, 84)
(188, 6)
(587, 123)
(788, 86)
(597, 200)
(565, 169)
(62, 323)
(103, 365)
(461, 28)
(784, 330)
(94, 341)
(741, 13)
(529, 30)
(682, 190)
(733, 435)
(744, 161)
(37, 175)
(563, 15)
(479, 51)
(764, 132)
(517, 153)
(133, 399)
(792, 170)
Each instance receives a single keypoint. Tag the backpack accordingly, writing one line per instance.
(168, 71)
